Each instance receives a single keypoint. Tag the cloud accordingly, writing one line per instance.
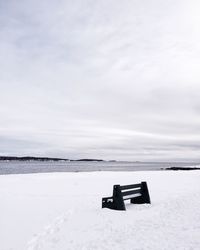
(100, 78)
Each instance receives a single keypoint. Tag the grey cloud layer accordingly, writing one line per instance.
(115, 79)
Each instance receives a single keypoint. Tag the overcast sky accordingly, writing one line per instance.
(104, 79)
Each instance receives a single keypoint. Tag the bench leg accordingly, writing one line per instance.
(118, 198)
(144, 198)
(115, 202)
(145, 193)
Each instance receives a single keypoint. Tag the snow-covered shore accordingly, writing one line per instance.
(62, 211)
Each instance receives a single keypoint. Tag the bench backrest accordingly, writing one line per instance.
(131, 191)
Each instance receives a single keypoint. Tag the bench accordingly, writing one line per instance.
(136, 193)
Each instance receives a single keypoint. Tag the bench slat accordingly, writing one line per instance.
(131, 197)
(137, 191)
(130, 186)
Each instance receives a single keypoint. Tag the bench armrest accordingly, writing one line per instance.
(107, 199)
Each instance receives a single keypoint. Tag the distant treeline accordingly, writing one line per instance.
(31, 158)
(87, 160)
(183, 168)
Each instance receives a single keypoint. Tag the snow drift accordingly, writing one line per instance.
(62, 211)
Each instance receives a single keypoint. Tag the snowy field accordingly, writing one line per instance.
(62, 211)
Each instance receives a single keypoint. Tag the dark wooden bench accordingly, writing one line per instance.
(136, 193)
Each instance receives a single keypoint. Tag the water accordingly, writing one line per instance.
(17, 167)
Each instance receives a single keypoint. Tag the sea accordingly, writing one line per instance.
(27, 167)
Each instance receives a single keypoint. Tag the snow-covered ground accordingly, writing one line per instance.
(62, 211)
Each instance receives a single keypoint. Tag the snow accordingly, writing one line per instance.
(62, 211)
